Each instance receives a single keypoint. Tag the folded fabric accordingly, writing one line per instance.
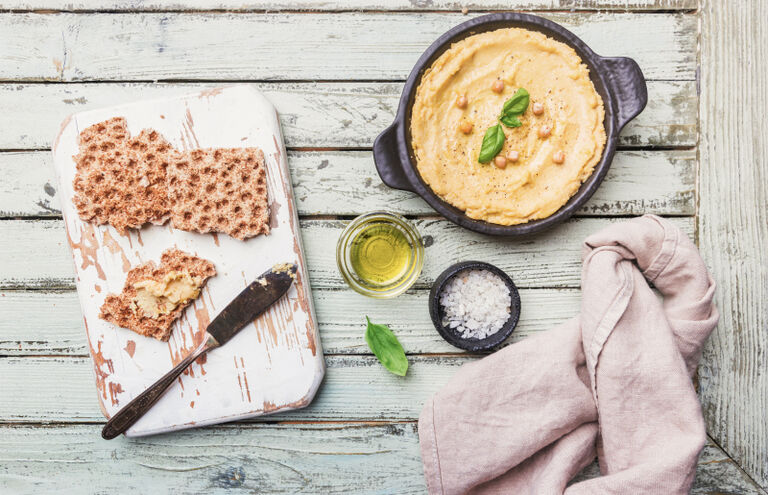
(613, 383)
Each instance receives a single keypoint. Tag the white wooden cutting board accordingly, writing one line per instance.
(273, 365)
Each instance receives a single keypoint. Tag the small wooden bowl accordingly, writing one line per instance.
(452, 336)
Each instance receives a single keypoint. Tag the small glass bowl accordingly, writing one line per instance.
(393, 287)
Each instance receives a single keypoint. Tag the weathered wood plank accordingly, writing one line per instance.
(47, 323)
(312, 115)
(36, 253)
(62, 389)
(50, 323)
(255, 458)
(346, 183)
(733, 227)
(345, 5)
(352, 390)
(328, 459)
(72, 47)
(355, 388)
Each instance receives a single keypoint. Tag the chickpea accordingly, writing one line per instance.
(513, 156)
(462, 101)
(558, 157)
(466, 127)
(498, 86)
(500, 161)
(545, 131)
(538, 108)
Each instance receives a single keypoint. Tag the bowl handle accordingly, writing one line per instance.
(628, 84)
(387, 160)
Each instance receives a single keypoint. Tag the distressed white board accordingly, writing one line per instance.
(276, 363)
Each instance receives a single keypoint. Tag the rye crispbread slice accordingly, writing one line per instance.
(119, 310)
(130, 181)
(219, 190)
(120, 178)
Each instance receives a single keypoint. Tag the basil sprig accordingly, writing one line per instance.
(515, 107)
(493, 141)
(510, 121)
(494, 137)
(386, 347)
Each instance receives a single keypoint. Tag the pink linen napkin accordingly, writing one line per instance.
(613, 382)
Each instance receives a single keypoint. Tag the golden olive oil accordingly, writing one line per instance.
(380, 254)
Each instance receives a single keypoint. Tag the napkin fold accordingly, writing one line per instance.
(613, 382)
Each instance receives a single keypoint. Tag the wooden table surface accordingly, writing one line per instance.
(335, 70)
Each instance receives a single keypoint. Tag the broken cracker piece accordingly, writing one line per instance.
(219, 190)
(120, 179)
(154, 297)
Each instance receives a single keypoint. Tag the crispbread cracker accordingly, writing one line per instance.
(130, 181)
(219, 190)
(119, 308)
(120, 179)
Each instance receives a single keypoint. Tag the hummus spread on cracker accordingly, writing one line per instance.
(155, 298)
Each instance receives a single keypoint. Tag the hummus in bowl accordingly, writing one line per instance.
(543, 161)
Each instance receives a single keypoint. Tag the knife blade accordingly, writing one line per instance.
(252, 301)
(256, 298)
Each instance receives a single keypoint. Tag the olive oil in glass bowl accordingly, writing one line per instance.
(380, 254)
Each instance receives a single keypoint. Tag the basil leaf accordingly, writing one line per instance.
(510, 121)
(518, 104)
(493, 141)
(386, 347)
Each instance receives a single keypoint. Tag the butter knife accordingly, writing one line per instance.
(249, 304)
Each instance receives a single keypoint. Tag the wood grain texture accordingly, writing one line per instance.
(330, 459)
(346, 183)
(346, 5)
(356, 388)
(342, 458)
(312, 115)
(50, 323)
(36, 255)
(72, 47)
(352, 390)
(733, 226)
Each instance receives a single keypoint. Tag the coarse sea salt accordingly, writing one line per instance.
(476, 303)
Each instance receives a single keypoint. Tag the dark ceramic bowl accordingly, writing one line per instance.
(618, 80)
(454, 338)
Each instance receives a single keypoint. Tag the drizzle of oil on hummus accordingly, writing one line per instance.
(535, 186)
(155, 298)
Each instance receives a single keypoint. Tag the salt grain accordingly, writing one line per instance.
(476, 303)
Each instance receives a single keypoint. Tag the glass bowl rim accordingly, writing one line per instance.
(415, 241)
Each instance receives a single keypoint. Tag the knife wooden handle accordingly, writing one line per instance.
(134, 410)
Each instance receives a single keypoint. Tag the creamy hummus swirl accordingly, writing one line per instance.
(534, 186)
